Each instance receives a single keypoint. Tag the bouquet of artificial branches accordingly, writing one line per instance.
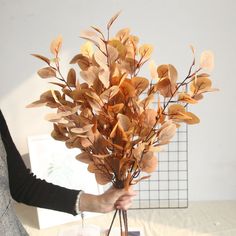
(105, 108)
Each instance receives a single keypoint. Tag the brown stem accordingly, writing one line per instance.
(125, 219)
(121, 225)
(114, 216)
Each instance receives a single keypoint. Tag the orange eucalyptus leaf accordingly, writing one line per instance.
(184, 97)
(43, 58)
(194, 120)
(109, 93)
(207, 60)
(56, 45)
(167, 133)
(149, 162)
(146, 50)
(71, 78)
(84, 157)
(119, 47)
(140, 84)
(46, 73)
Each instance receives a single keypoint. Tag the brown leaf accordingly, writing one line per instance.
(90, 75)
(71, 78)
(47, 72)
(43, 58)
(85, 157)
(148, 118)
(38, 103)
(167, 133)
(115, 108)
(58, 133)
(127, 88)
(81, 60)
(200, 84)
(109, 93)
(124, 121)
(162, 71)
(140, 84)
(118, 135)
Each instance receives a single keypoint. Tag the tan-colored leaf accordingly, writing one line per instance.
(58, 133)
(104, 77)
(112, 53)
(194, 120)
(115, 108)
(47, 72)
(173, 74)
(38, 103)
(140, 84)
(100, 58)
(118, 135)
(58, 84)
(184, 97)
(109, 93)
(127, 88)
(90, 75)
(146, 101)
(175, 108)
(162, 71)
(153, 70)
(111, 21)
(87, 49)
(145, 50)
(71, 78)
(200, 84)
(56, 45)
(149, 162)
(167, 133)
(102, 178)
(138, 151)
(207, 60)
(119, 47)
(124, 121)
(123, 34)
(85, 157)
(81, 60)
(148, 118)
(43, 58)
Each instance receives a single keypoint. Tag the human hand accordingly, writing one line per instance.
(108, 201)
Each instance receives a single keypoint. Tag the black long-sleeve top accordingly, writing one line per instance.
(25, 187)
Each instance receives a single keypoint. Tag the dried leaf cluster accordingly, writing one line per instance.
(105, 108)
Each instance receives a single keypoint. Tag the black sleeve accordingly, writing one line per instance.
(28, 189)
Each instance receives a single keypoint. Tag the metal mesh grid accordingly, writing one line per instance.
(168, 185)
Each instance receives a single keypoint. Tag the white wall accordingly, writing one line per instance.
(28, 26)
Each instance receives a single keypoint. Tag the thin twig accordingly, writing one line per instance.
(108, 233)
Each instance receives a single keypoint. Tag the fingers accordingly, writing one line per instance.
(124, 202)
